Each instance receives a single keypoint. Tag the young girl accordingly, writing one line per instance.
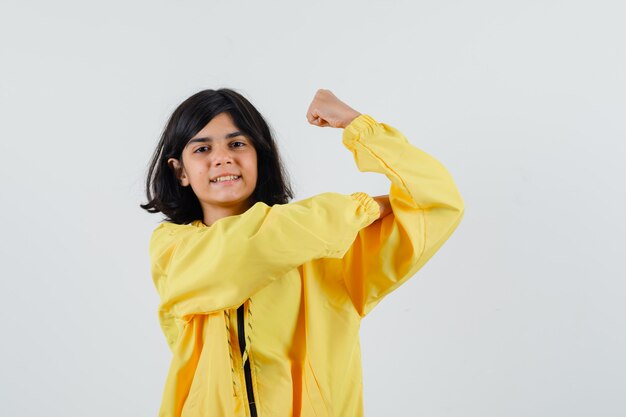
(261, 299)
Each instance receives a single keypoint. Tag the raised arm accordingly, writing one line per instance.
(426, 208)
(422, 209)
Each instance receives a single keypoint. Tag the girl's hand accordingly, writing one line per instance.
(384, 204)
(327, 110)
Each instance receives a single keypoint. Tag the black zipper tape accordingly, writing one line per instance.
(241, 330)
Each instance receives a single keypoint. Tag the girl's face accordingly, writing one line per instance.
(210, 159)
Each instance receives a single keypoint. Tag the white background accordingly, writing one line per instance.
(519, 314)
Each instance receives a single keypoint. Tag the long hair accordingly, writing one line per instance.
(179, 204)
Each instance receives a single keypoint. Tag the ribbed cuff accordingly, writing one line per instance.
(361, 125)
(368, 205)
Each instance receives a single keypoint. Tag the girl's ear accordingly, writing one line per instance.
(179, 171)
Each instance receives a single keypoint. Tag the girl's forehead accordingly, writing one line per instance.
(220, 126)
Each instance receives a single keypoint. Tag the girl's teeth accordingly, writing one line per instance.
(229, 178)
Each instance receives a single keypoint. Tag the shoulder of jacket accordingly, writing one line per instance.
(167, 232)
(171, 228)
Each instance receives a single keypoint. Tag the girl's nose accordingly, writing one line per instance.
(222, 156)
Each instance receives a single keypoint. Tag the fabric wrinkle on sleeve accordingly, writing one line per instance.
(368, 204)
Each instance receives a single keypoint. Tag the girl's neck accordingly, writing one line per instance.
(214, 213)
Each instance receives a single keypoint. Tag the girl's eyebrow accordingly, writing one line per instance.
(210, 139)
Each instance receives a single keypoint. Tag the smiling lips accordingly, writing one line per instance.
(226, 179)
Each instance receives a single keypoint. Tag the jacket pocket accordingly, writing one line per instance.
(317, 402)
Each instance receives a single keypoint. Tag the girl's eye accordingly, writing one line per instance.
(236, 144)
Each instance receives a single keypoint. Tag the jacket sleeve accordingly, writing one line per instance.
(200, 269)
(426, 206)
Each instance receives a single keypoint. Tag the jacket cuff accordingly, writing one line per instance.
(361, 125)
(368, 205)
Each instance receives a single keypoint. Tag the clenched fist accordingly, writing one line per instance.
(327, 110)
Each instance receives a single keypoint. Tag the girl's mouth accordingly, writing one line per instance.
(224, 181)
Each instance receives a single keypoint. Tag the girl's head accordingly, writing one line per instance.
(212, 133)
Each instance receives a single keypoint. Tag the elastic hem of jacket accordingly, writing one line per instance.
(368, 204)
(362, 124)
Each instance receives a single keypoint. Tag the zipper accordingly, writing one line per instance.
(241, 332)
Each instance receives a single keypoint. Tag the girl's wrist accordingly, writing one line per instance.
(349, 119)
(384, 205)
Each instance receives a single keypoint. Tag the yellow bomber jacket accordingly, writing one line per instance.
(262, 310)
